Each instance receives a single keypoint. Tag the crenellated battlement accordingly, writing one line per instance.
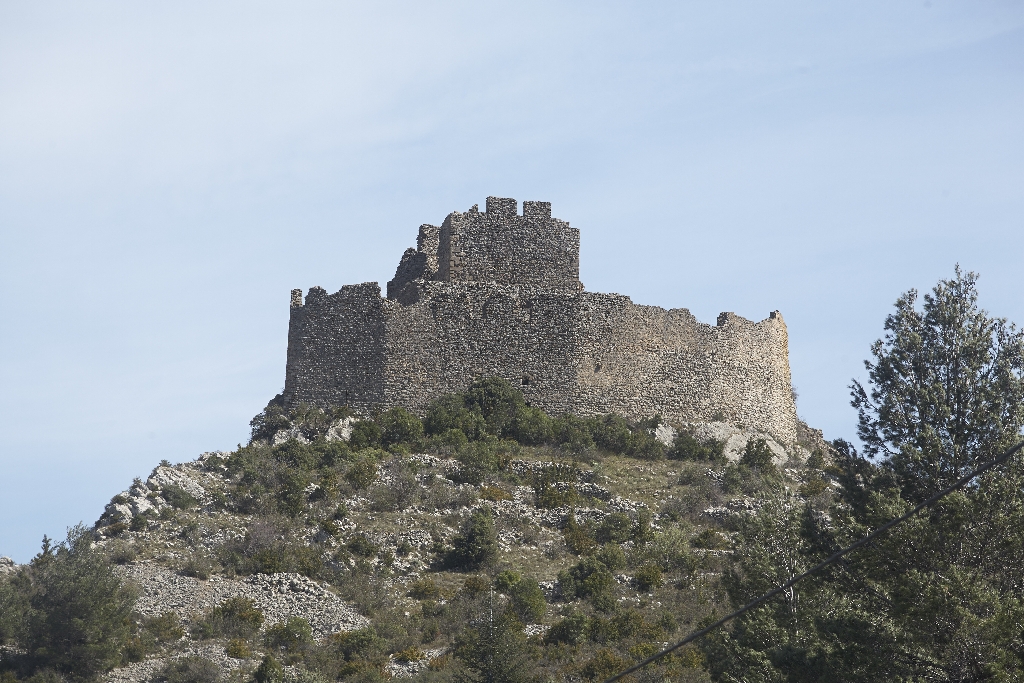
(498, 293)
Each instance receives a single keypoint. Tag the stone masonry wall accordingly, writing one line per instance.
(453, 333)
(336, 348)
(527, 320)
(643, 360)
(502, 246)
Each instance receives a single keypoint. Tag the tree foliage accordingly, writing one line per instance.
(67, 611)
(947, 391)
(939, 597)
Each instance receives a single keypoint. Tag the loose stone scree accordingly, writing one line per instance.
(497, 293)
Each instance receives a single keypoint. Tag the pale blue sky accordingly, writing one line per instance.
(169, 171)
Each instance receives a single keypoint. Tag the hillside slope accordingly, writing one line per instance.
(345, 558)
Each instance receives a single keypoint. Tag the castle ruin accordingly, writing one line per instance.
(497, 293)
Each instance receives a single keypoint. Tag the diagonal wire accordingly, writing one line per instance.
(832, 558)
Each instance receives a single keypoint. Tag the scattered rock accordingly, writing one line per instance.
(279, 596)
(735, 439)
(7, 566)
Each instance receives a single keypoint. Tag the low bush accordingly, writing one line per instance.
(269, 671)
(424, 589)
(578, 538)
(476, 544)
(164, 628)
(587, 579)
(399, 426)
(759, 457)
(191, 669)
(237, 648)
(648, 576)
(611, 556)
(526, 601)
(685, 446)
(236, 617)
(179, 498)
(571, 630)
(614, 528)
(290, 639)
(364, 470)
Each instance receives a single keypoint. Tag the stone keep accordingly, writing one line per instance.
(497, 293)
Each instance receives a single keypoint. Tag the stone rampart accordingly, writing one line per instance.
(496, 293)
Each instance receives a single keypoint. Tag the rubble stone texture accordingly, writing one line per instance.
(497, 293)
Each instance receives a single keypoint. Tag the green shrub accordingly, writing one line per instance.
(363, 546)
(364, 470)
(78, 608)
(686, 447)
(578, 538)
(270, 547)
(758, 456)
(123, 553)
(644, 446)
(530, 426)
(813, 487)
(572, 433)
(332, 453)
(424, 589)
(351, 655)
(291, 491)
(365, 434)
(526, 600)
(614, 528)
(611, 556)
(571, 630)
(399, 426)
(269, 671)
(547, 494)
(449, 442)
(816, 460)
(237, 648)
(641, 531)
(450, 412)
(294, 453)
(611, 433)
(236, 617)
(497, 401)
(504, 581)
(493, 649)
(290, 638)
(709, 539)
(164, 628)
(604, 664)
(475, 585)
(191, 669)
(587, 579)
(269, 422)
(476, 544)
(648, 577)
(178, 497)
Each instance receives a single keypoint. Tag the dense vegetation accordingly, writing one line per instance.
(494, 596)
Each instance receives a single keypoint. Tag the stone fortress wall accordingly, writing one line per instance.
(498, 293)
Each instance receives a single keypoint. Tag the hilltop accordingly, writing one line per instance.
(347, 547)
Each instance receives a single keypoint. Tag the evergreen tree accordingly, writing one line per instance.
(947, 391)
(493, 648)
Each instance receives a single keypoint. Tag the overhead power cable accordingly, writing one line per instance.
(818, 567)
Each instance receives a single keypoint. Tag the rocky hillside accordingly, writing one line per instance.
(335, 548)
